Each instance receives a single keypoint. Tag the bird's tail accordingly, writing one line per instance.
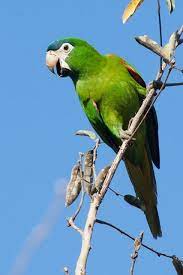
(143, 179)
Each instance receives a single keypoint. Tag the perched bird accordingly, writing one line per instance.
(111, 92)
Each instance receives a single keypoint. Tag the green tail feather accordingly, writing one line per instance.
(143, 179)
(153, 221)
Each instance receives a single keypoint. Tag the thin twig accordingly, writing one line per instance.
(116, 193)
(95, 156)
(134, 256)
(163, 86)
(160, 31)
(71, 223)
(80, 205)
(173, 84)
(132, 238)
(160, 73)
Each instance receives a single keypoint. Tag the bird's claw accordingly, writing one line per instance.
(157, 85)
(126, 134)
(130, 122)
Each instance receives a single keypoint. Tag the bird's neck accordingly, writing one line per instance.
(87, 67)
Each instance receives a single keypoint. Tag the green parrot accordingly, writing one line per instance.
(111, 92)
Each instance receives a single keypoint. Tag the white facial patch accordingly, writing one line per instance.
(63, 53)
(64, 50)
(64, 65)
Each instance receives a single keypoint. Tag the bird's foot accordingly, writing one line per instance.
(156, 84)
(126, 134)
(130, 122)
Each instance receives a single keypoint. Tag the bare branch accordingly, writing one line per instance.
(132, 238)
(173, 84)
(80, 205)
(86, 236)
(74, 226)
(115, 192)
(134, 256)
(95, 156)
(163, 86)
(153, 46)
(160, 31)
(166, 52)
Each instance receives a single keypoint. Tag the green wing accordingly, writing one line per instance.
(142, 175)
(91, 109)
(151, 120)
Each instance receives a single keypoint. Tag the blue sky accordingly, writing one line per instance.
(39, 114)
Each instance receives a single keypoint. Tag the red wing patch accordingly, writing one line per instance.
(133, 73)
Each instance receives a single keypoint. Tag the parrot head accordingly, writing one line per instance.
(71, 57)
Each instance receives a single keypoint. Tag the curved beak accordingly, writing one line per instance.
(57, 61)
(51, 60)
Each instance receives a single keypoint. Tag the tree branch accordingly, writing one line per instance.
(174, 84)
(87, 235)
(132, 238)
(95, 156)
(160, 31)
(134, 256)
(71, 223)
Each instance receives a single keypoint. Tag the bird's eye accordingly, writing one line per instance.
(66, 47)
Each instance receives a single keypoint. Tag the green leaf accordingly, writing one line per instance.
(171, 5)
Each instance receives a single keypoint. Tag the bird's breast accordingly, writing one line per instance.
(92, 88)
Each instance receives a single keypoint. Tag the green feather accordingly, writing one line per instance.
(111, 92)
